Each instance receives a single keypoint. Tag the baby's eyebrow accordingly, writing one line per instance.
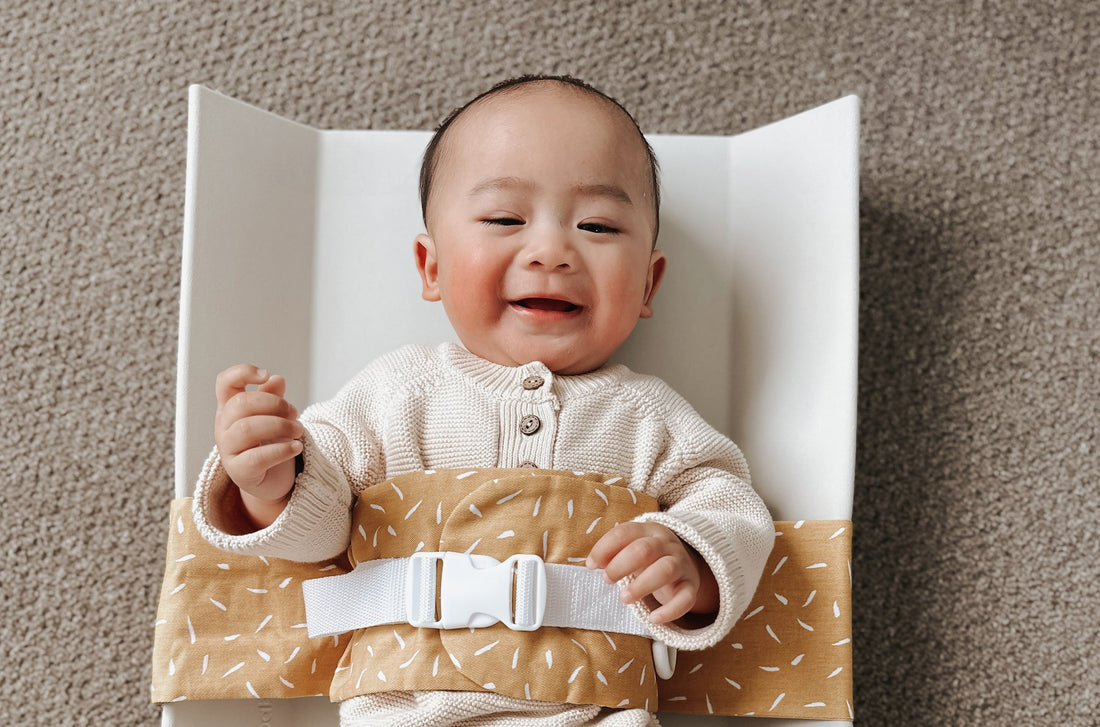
(501, 184)
(498, 184)
(611, 191)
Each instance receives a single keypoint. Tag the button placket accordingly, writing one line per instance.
(529, 421)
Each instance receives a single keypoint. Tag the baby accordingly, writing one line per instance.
(540, 201)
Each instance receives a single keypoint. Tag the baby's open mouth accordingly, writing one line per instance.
(548, 304)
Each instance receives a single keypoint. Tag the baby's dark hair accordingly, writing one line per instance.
(431, 153)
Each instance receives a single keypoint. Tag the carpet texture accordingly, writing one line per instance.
(976, 551)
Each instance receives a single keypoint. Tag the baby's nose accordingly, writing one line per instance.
(550, 249)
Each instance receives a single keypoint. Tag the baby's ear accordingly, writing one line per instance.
(653, 281)
(428, 267)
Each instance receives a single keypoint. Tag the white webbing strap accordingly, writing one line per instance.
(474, 590)
(366, 595)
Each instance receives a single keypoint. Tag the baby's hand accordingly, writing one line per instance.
(662, 567)
(257, 433)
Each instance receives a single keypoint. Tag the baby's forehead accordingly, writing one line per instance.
(482, 119)
(583, 128)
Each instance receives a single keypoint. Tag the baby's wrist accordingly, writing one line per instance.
(258, 513)
(707, 598)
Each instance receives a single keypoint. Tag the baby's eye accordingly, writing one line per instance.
(502, 221)
(597, 228)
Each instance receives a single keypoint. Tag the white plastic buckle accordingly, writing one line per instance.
(664, 659)
(475, 591)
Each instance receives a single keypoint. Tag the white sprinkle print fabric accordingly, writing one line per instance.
(231, 626)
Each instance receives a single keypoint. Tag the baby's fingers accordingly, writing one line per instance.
(249, 469)
(664, 572)
(275, 384)
(248, 404)
(629, 548)
(236, 379)
(608, 548)
(257, 431)
(683, 598)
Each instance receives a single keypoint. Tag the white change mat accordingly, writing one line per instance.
(298, 256)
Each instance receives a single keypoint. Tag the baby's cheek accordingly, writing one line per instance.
(466, 303)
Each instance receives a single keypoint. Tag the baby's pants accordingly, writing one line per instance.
(475, 709)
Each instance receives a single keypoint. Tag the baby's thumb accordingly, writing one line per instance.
(275, 384)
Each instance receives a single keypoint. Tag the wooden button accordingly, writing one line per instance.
(533, 382)
(530, 424)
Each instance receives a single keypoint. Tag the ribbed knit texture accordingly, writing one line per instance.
(421, 408)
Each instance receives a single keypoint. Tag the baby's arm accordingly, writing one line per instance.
(308, 496)
(662, 566)
(258, 437)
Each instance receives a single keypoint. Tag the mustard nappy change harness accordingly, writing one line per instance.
(474, 580)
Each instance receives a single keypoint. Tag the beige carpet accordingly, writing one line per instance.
(977, 546)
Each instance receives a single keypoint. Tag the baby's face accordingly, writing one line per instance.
(540, 229)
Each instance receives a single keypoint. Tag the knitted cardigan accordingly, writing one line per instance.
(443, 407)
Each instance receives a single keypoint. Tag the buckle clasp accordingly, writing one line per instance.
(475, 591)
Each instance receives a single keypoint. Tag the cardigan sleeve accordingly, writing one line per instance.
(342, 454)
(314, 525)
(706, 498)
(733, 534)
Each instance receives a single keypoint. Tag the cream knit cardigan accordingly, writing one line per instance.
(438, 408)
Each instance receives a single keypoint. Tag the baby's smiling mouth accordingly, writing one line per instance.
(547, 304)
